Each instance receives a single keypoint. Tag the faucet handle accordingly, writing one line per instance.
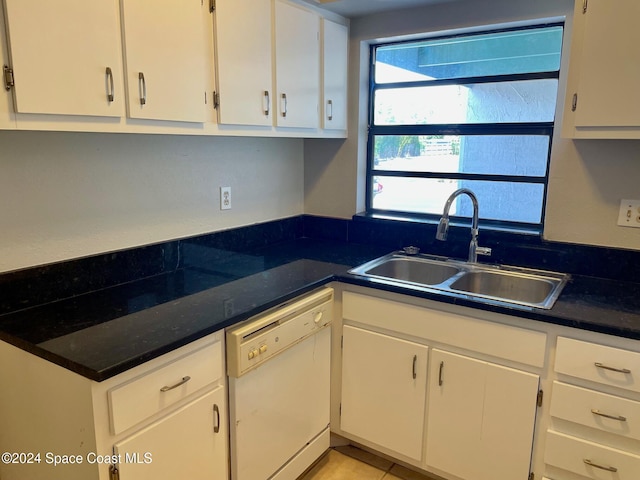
(483, 251)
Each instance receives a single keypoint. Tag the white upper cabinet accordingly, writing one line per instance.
(243, 54)
(165, 59)
(603, 98)
(335, 45)
(66, 56)
(7, 119)
(297, 51)
(161, 67)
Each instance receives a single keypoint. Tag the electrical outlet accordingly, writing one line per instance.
(228, 307)
(225, 198)
(629, 215)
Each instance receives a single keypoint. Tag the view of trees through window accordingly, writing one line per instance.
(472, 111)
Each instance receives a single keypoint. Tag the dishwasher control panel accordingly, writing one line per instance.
(263, 336)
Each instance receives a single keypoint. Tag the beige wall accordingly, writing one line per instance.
(68, 195)
(587, 178)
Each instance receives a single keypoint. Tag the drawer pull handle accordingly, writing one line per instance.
(111, 90)
(142, 88)
(415, 360)
(601, 467)
(216, 412)
(266, 103)
(181, 382)
(613, 369)
(440, 380)
(614, 417)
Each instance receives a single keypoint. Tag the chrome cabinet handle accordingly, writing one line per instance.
(329, 110)
(415, 360)
(613, 369)
(440, 381)
(111, 88)
(284, 104)
(216, 412)
(266, 103)
(142, 86)
(181, 382)
(606, 415)
(601, 467)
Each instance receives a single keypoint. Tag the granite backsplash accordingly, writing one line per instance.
(44, 284)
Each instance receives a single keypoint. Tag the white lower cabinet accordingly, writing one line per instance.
(384, 390)
(595, 413)
(407, 394)
(589, 459)
(480, 412)
(162, 420)
(188, 443)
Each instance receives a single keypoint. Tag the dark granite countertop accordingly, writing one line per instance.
(102, 333)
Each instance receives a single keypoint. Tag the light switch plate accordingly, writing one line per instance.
(629, 215)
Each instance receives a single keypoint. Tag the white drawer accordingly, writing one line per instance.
(574, 454)
(607, 413)
(606, 365)
(148, 394)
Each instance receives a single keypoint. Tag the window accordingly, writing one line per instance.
(467, 111)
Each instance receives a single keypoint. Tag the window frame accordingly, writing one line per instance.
(530, 128)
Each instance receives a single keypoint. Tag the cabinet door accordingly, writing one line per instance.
(606, 72)
(7, 119)
(481, 418)
(243, 54)
(189, 443)
(384, 390)
(297, 50)
(60, 52)
(335, 45)
(165, 52)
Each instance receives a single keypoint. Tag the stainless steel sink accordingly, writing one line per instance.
(413, 269)
(509, 286)
(485, 283)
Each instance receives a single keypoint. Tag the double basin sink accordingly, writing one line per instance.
(519, 287)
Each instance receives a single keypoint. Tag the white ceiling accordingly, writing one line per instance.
(358, 8)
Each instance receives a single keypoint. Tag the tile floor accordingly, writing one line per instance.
(351, 463)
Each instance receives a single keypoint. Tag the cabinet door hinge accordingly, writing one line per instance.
(114, 473)
(9, 81)
(212, 6)
(585, 4)
(216, 100)
(539, 398)
(574, 102)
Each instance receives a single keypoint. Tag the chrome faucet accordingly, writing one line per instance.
(443, 226)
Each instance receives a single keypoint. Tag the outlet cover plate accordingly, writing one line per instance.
(225, 198)
(629, 215)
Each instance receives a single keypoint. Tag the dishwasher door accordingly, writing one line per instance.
(278, 408)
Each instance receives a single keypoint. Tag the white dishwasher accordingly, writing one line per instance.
(279, 366)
